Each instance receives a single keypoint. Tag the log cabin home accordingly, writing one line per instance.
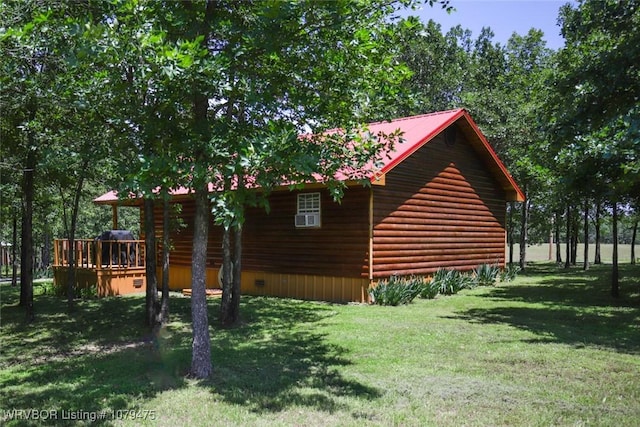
(439, 201)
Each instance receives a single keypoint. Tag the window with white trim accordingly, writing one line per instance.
(308, 212)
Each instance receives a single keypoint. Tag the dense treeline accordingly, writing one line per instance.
(132, 95)
(543, 112)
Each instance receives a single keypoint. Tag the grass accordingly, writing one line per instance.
(540, 252)
(550, 348)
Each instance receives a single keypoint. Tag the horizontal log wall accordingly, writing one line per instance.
(273, 247)
(338, 248)
(441, 207)
(272, 243)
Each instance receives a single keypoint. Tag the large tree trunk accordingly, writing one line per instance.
(597, 258)
(26, 259)
(585, 262)
(201, 346)
(166, 242)
(615, 286)
(151, 300)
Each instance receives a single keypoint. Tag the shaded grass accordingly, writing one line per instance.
(572, 307)
(550, 348)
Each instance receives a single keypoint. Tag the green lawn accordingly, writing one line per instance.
(550, 348)
(537, 253)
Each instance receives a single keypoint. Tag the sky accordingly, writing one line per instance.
(503, 16)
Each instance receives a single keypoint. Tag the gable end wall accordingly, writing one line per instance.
(439, 208)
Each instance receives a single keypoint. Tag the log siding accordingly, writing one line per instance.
(339, 247)
(440, 207)
(272, 243)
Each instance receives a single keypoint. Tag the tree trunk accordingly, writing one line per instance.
(524, 224)
(71, 272)
(26, 259)
(633, 242)
(550, 255)
(597, 258)
(14, 250)
(557, 232)
(237, 272)
(46, 250)
(71, 278)
(166, 242)
(151, 298)
(201, 346)
(615, 285)
(512, 206)
(585, 262)
(567, 262)
(574, 239)
(226, 311)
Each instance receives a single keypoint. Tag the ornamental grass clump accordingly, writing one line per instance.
(450, 282)
(429, 290)
(395, 290)
(486, 275)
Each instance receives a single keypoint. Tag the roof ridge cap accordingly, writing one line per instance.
(417, 116)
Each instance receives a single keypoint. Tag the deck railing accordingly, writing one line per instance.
(99, 254)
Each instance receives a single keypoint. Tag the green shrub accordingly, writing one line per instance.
(429, 290)
(450, 282)
(395, 290)
(486, 275)
(60, 290)
(509, 273)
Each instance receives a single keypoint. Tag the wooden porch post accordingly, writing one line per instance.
(56, 253)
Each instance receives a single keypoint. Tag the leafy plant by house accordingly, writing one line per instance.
(486, 275)
(450, 282)
(395, 290)
(429, 289)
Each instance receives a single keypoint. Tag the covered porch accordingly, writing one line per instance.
(113, 267)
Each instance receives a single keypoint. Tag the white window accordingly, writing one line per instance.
(308, 213)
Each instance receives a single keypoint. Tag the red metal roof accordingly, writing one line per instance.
(420, 130)
(416, 132)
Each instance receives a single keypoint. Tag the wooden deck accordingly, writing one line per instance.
(112, 267)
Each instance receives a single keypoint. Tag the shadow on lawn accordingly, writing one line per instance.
(278, 359)
(98, 360)
(570, 306)
(101, 358)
